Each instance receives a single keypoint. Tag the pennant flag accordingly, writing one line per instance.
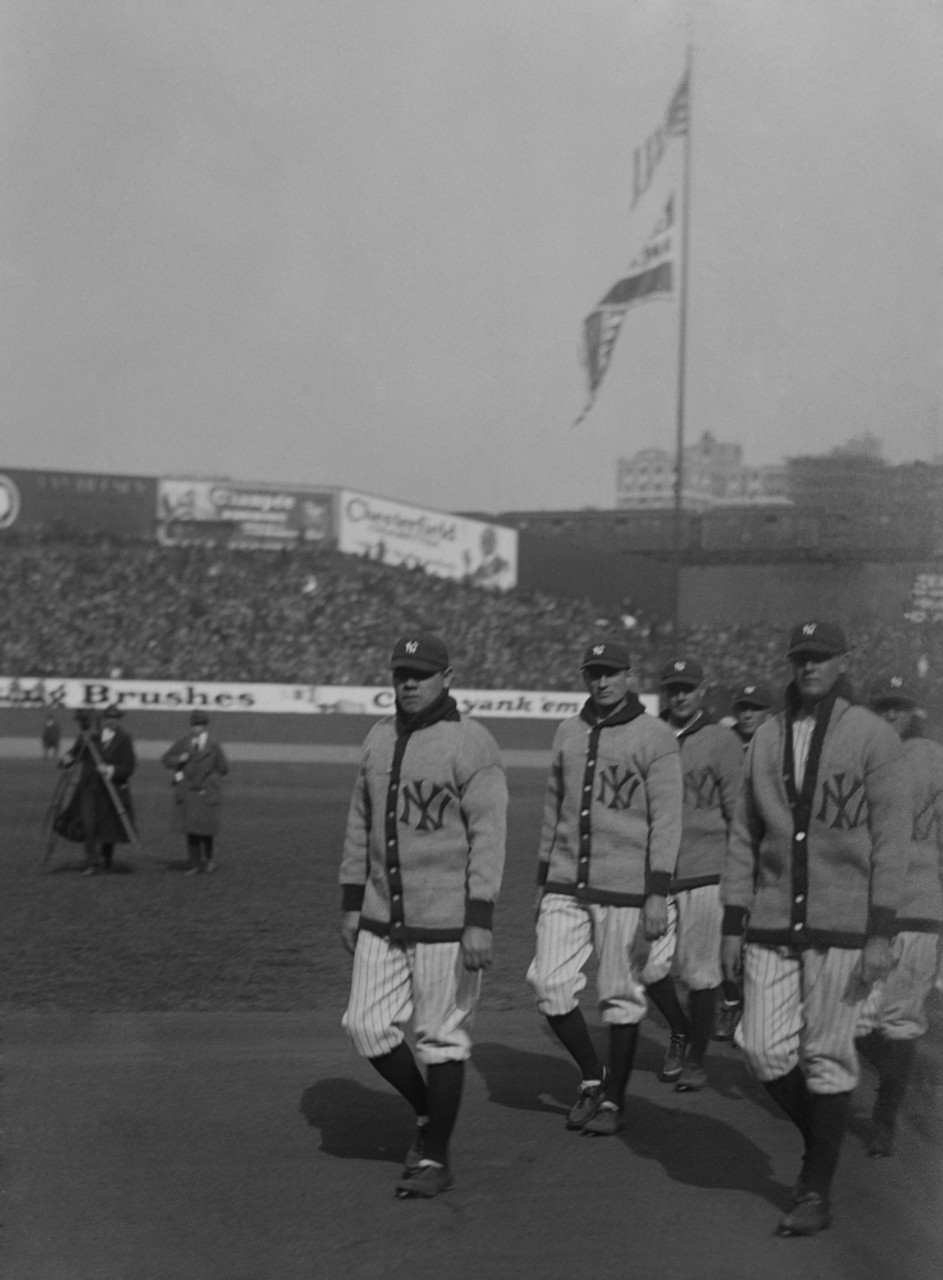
(650, 276)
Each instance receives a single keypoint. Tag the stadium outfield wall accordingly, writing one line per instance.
(51, 693)
(777, 594)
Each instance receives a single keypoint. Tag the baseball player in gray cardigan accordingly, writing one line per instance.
(894, 1016)
(814, 873)
(608, 846)
(422, 865)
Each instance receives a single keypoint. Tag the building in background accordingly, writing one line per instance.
(714, 475)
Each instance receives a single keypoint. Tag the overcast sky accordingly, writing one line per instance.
(353, 241)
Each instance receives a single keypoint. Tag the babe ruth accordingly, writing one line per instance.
(608, 847)
(814, 870)
(711, 764)
(422, 866)
(894, 1014)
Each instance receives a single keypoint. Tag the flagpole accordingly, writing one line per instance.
(678, 530)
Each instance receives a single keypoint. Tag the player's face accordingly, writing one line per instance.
(749, 719)
(607, 688)
(417, 690)
(816, 674)
(683, 701)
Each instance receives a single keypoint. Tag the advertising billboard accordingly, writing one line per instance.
(415, 537)
(70, 502)
(242, 514)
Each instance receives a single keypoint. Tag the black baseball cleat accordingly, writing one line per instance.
(807, 1217)
(424, 1182)
(728, 1016)
(587, 1101)
(674, 1060)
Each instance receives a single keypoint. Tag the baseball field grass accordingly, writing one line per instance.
(261, 934)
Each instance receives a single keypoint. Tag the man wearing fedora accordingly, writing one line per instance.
(199, 765)
(101, 803)
(812, 887)
(421, 869)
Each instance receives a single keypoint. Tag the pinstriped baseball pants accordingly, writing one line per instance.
(802, 1008)
(896, 1006)
(423, 981)
(691, 947)
(567, 934)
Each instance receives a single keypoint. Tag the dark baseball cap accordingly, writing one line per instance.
(199, 717)
(112, 712)
(891, 691)
(753, 695)
(612, 654)
(686, 671)
(420, 651)
(826, 638)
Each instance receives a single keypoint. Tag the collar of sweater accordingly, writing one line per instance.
(700, 720)
(622, 714)
(444, 708)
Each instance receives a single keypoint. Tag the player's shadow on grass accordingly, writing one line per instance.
(357, 1123)
(692, 1148)
(700, 1151)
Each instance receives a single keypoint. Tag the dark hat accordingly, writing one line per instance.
(826, 638)
(685, 671)
(199, 717)
(891, 691)
(420, 651)
(753, 695)
(112, 712)
(612, 654)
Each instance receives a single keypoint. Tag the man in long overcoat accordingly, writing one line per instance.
(199, 765)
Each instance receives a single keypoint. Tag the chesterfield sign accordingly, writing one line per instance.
(301, 699)
(416, 538)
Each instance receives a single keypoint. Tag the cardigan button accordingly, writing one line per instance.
(800, 835)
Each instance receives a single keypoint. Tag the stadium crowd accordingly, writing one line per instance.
(315, 616)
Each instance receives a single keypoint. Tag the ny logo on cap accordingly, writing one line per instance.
(750, 688)
(680, 666)
(411, 646)
(808, 629)
(599, 649)
(897, 682)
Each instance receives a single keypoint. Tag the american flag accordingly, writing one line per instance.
(676, 119)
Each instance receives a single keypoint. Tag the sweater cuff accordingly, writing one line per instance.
(543, 870)
(735, 922)
(658, 882)
(882, 923)
(478, 914)
(352, 897)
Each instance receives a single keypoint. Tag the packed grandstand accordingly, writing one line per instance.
(314, 615)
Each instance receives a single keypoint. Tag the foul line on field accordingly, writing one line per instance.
(271, 752)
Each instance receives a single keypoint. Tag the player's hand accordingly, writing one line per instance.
(655, 916)
(476, 947)
(731, 957)
(106, 770)
(877, 960)
(350, 927)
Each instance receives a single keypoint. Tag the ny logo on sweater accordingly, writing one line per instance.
(616, 787)
(702, 790)
(844, 806)
(428, 806)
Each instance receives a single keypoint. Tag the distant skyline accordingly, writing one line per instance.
(354, 245)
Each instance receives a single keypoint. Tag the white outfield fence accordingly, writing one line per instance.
(302, 699)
